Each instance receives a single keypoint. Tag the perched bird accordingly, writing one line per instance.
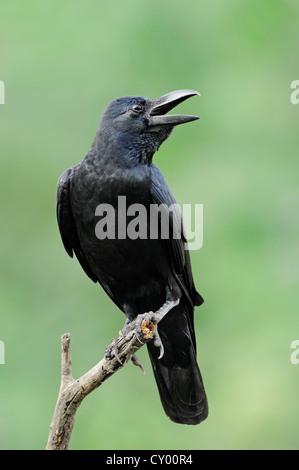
(145, 273)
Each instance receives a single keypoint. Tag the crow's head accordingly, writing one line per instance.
(143, 120)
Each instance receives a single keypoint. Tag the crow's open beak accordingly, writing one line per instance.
(160, 106)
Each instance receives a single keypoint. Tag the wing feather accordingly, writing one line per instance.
(66, 224)
(161, 194)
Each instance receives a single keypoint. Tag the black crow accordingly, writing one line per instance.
(139, 272)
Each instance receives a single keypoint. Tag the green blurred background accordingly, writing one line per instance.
(62, 62)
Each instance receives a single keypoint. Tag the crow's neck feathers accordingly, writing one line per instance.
(130, 150)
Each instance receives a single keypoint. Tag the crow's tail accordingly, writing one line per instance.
(177, 374)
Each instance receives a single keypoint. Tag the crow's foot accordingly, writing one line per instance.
(137, 363)
(149, 328)
(112, 350)
(155, 318)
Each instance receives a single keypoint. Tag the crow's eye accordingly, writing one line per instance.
(137, 108)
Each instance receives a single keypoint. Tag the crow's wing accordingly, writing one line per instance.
(179, 255)
(68, 231)
(66, 224)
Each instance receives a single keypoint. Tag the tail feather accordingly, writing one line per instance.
(177, 374)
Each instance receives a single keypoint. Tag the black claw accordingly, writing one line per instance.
(137, 363)
(137, 337)
(115, 355)
(158, 343)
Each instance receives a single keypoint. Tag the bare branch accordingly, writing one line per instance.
(72, 392)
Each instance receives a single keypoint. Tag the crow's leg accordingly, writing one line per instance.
(156, 317)
(112, 350)
(137, 363)
(150, 317)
